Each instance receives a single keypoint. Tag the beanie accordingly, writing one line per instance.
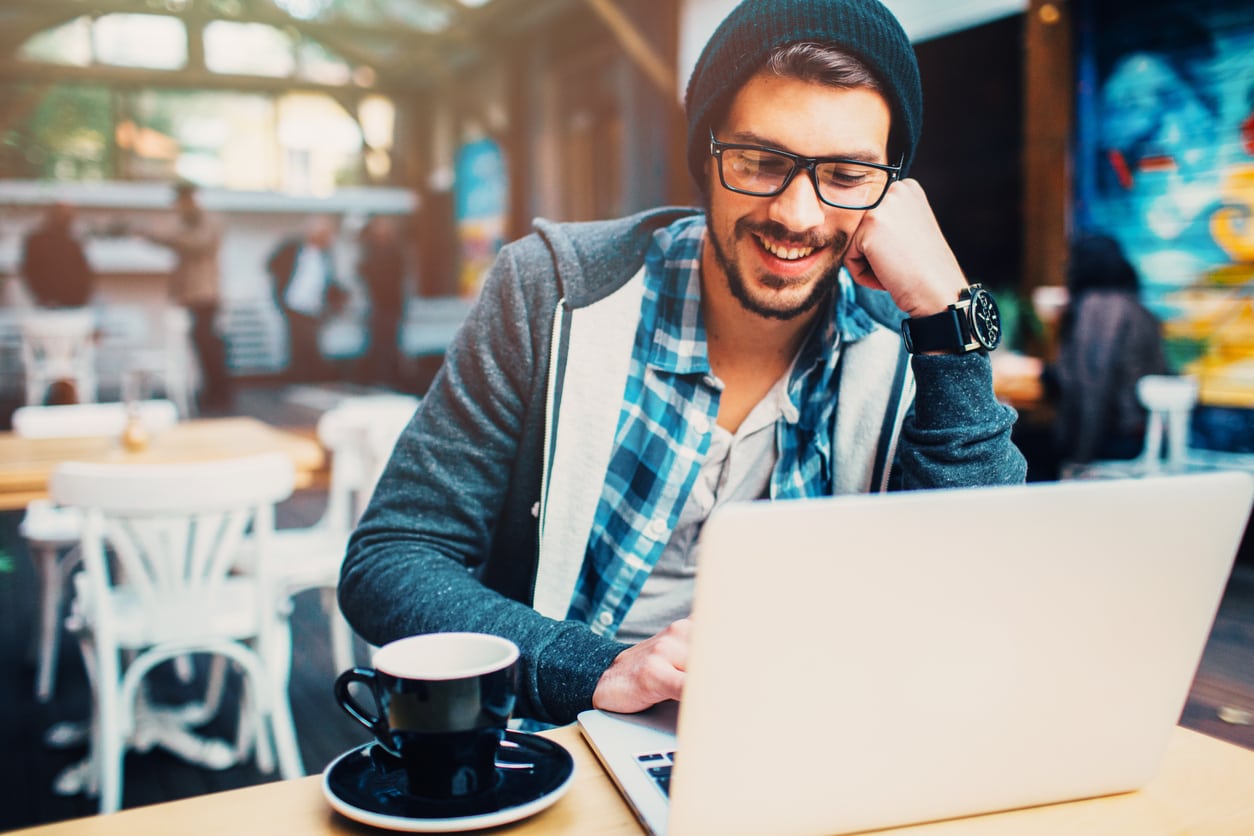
(747, 36)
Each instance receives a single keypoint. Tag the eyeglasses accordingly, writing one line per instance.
(766, 172)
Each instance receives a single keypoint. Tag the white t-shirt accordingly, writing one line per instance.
(737, 467)
(307, 290)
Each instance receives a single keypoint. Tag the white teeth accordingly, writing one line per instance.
(786, 253)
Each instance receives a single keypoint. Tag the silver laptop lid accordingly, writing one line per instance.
(870, 661)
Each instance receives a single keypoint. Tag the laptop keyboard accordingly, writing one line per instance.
(658, 766)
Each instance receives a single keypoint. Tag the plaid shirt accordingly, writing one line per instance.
(669, 410)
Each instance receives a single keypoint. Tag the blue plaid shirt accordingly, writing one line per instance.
(669, 410)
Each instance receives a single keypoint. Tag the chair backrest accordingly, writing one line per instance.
(1169, 401)
(90, 419)
(175, 530)
(59, 344)
(356, 433)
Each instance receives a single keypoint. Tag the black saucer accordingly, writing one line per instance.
(368, 785)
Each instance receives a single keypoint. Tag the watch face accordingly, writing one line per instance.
(985, 319)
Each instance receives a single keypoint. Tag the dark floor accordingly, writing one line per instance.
(27, 767)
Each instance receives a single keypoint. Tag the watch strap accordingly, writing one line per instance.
(942, 331)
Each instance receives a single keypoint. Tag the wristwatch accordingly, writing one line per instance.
(973, 323)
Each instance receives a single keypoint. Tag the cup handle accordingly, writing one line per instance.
(375, 723)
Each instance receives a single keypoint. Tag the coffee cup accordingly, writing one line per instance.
(442, 702)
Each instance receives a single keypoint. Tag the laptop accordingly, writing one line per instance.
(873, 661)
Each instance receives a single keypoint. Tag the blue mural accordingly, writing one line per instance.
(1165, 163)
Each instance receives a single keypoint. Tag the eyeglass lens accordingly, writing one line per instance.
(763, 172)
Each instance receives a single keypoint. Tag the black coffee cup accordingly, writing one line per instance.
(442, 702)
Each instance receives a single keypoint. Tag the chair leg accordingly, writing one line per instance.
(275, 647)
(184, 669)
(341, 634)
(109, 734)
(283, 728)
(45, 558)
(254, 730)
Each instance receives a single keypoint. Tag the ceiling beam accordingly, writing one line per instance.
(257, 13)
(656, 68)
(422, 59)
(19, 71)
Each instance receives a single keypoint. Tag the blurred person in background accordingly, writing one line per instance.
(54, 264)
(1107, 341)
(381, 266)
(195, 237)
(308, 290)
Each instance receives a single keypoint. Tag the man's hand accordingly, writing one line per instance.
(899, 247)
(646, 674)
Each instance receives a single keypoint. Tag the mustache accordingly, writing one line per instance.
(781, 234)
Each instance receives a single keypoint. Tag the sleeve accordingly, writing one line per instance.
(201, 239)
(412, 564)
(957, 434)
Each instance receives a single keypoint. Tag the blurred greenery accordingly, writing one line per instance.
(67, 136)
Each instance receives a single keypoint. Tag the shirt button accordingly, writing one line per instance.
(701, 424)
(657, 528)
(606, 618)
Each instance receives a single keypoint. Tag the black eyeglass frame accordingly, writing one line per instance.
(798, 163)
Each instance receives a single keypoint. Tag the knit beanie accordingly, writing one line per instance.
(747, 36)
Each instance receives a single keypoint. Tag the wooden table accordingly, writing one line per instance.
(1017, 380)
(1205, 786)
(27, 463)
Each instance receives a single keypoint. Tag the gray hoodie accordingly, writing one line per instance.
(480, 519)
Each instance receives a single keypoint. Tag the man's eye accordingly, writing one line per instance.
(846, 177)
(766, 165)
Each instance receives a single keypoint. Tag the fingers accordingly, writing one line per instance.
(899, 247)
(647, 673)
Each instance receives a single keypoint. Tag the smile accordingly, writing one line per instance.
(784, 252)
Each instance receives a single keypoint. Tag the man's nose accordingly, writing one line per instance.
(798, 206)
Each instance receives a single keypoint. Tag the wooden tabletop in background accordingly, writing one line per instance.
(26, 464)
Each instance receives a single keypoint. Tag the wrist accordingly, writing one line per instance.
(972, 323)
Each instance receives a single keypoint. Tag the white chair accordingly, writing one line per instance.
(1169, 402)
(171, 361)
(52, 532)
(158, 545)
(59, 345)
(354, 433)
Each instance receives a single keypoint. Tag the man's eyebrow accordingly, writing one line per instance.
(861, 155)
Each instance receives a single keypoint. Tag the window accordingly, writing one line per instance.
(148, 41)
(69, 43)
(248, 49)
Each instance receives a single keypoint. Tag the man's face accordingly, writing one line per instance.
(320, 234)
(778, 256)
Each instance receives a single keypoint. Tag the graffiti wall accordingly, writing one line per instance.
(1165, 163)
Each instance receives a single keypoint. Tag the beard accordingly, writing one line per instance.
(745, 230)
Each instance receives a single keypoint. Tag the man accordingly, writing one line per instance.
(54, 264)
(195, 239)
(306, 286)
(618, 380)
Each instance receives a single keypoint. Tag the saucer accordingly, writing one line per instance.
(368, 785)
